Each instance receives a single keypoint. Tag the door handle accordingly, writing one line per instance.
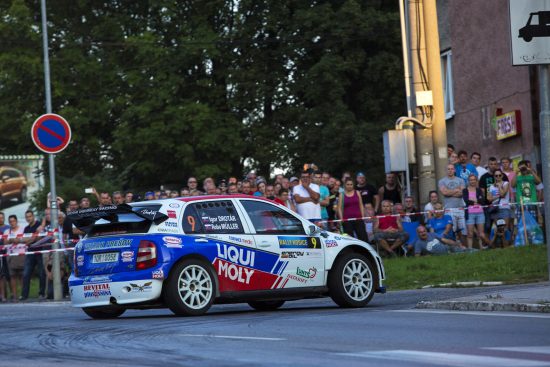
(265, 244)
(201, 240)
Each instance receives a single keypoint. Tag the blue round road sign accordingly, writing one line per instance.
(51, 133)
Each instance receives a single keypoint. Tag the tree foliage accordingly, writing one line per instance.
(167, 89)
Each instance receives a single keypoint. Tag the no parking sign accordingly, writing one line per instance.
(51, 133)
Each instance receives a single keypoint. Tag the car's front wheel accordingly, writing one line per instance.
(352, 280)
(103, 312)
(266, 305)
(190, 289)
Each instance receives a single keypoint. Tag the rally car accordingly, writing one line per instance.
(188, 253)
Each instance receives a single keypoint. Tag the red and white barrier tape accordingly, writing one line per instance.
(37, 252)
(29, 235)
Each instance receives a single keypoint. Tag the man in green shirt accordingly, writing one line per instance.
(525, 183)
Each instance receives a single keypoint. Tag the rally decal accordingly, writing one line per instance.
(294, 242)
(279, 267)
(241, 268)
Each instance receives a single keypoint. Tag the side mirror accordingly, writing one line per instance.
(311, 230)
(5, 178)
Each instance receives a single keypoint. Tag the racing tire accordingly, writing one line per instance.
(352, 280)
(266, 305)
(103, 312)
(191, 288)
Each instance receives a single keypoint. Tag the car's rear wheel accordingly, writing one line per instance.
(103, 312)
(266, 305)
(190, 289)
(352, 280)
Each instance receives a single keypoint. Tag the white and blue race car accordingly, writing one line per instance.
(188, 253)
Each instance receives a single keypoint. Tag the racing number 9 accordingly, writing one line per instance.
(191, 221)
(314, 241)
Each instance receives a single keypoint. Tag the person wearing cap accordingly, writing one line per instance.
(307, 195)
(368, 193)
(501, 237)
(149, 195)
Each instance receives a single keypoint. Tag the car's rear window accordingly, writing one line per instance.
(123, 223)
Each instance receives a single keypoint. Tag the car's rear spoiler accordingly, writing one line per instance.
(84, 219)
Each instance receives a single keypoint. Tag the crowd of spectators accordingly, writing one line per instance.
(471, 210)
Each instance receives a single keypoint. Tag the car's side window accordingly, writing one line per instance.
(212, 217)
(191, 221)
(269, 219)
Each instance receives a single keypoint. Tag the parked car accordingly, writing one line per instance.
(188, 253)
(13, 184)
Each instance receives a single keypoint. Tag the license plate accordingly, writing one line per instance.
(106, 257)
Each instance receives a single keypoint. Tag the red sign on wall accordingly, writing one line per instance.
(508, 125)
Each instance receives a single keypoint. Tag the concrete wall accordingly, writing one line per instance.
(484, 79)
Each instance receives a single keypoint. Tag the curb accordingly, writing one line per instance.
(485, 306)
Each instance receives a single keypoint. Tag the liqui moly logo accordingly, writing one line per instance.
(234, 261)
(236, 255)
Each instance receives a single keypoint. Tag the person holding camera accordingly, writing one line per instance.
(525, 183)
(501, 236)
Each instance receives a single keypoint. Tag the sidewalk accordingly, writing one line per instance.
(525, 298)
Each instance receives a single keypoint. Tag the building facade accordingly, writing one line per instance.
(483, 91)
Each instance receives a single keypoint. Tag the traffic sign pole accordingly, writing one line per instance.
(57, 289)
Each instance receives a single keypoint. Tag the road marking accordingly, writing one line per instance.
(533, 315)
(538, 350)
(230, 337)
(447, 359)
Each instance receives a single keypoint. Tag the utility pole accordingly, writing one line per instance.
(439, 127)
(544, 117)
(420, 77)
(57, 286)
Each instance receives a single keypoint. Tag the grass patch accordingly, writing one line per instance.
(510, 265)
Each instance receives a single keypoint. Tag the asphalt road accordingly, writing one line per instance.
(389, 332)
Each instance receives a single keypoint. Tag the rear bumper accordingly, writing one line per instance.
(93, 294)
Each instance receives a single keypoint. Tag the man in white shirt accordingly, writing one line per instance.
(476, 161)
(307, 195)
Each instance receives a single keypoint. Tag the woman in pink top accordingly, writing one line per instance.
(350, 205)
(475, 218)
(506, 164)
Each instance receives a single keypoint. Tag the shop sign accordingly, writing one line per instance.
(508, 125)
